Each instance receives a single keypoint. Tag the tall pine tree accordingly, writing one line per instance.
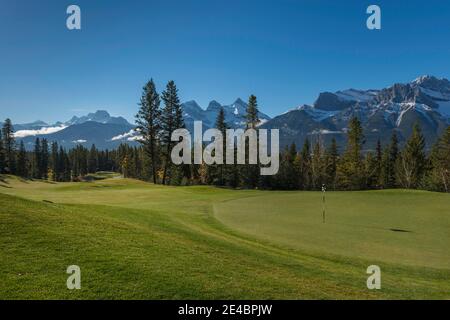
(93, 160)
(36, 165)
(392, 162)
(9, 146)
(250, 172)
(440, 161)
(305, 166)
(332, 155)
(219, 171)
(350, 171)
(412, 164)
(252, 117)
(148, 122)
(22, 163)
(379, 164)
(54, 160)
(171, 119)
(44, 165)
(317, 166)
(2, 155)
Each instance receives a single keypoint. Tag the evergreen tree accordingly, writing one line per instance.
(252, 117)
(9, 146)
(137, 163)
(297, 172)
(350, 171)
(44, 159)
(287, 178)
(292, 151)
(218, 172)
(332, 155)
(54, 159)
(317, 166)
(440, 161)
(384, 172)
(2, 155)
(412, 162)
(392, 161)
(171, 120)
(182, 171)
(371, 168)
(64, 165)
(148, 122)
(79, 157)
(305, 166)
(379, 164)
(36, 166)
(292, 181)
(250, 172)
(22, 165)
(93, 160)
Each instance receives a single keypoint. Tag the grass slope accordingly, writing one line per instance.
(134, 240)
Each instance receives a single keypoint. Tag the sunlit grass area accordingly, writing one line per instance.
(134, 240)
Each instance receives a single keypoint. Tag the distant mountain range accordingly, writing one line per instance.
(108, 132)
(425, 100)
(97, 128)
(234, 114)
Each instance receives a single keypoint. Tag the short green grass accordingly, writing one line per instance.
(134, 240)
(404, 227)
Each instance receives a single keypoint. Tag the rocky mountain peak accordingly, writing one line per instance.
(432, 83)
(213, 105)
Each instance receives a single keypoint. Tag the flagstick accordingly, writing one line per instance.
(323, 202)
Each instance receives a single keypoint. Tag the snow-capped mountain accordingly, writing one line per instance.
(425, 100)
(100, 116)
(40, 127)
(95, 128)
(234, 114)
(107, 132)
(234, 117)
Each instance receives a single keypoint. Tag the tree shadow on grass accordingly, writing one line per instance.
(374, 227)
(400, 230)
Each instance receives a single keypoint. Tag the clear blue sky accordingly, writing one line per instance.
(284, 52)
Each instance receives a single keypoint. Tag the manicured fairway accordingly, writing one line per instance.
(139, 241)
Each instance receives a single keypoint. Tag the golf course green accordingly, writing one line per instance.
(135, 240)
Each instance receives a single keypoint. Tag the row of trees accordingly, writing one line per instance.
(389, 166)
(51, 162)
(156, 125)
(307, 169)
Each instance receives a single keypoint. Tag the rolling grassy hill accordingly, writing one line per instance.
(134, 240)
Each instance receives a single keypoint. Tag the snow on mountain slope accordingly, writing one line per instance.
(357, 95)
(426, 101)
(318, 114)
(41, 131)
(234, 113)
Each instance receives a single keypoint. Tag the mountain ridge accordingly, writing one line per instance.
(425, 100)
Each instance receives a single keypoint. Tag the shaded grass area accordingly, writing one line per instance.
(134, 240)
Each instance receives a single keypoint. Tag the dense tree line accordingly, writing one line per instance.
(52, 162)
(305, 168)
